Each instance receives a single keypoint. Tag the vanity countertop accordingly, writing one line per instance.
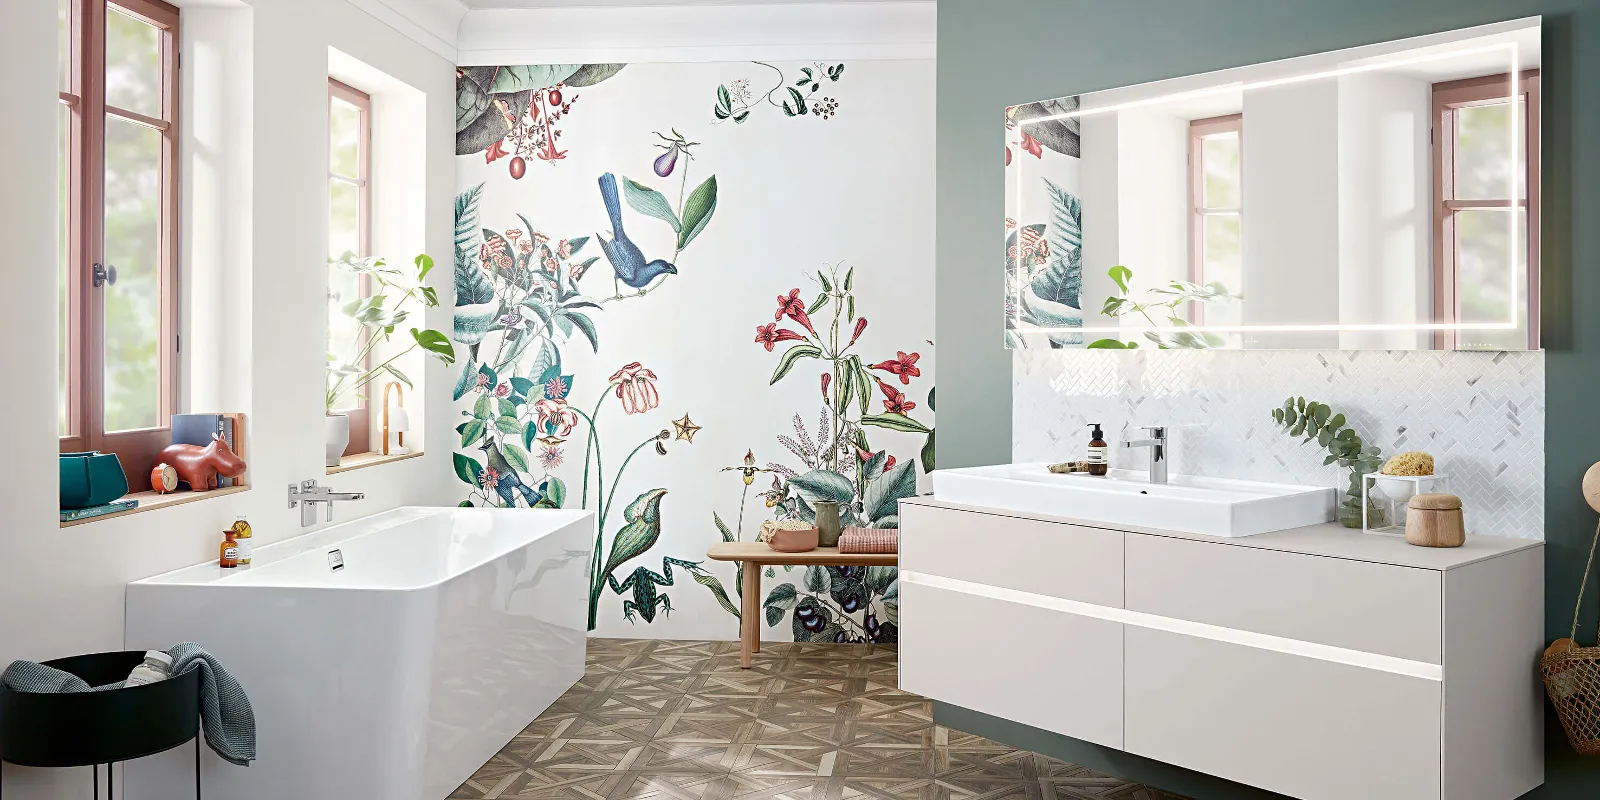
(1328, 539)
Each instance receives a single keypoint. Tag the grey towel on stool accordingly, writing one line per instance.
(229, 721)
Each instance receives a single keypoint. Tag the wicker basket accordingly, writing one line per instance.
(1572, 679)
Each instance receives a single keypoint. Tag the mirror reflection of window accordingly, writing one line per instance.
(1216, 229)
(1477, 277)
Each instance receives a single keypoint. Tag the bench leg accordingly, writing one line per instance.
(750, 617)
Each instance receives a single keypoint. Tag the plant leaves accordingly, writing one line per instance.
(467, 217)
(467, 468)
(710, 581)
(532, 76)
(435, 343)
(791, 357)
(883, 495)
(586, 327)
(927, 453)
(591, 74)
(817, 579)
(823, 484)
(896, 422)
(722, 528)
(697, 211)
(471, 102)
(471, 431)
(1121, 275)
(516, 457)
(468, 379)
(782, 598)
(649, 202)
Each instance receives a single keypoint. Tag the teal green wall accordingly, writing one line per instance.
(994, 53)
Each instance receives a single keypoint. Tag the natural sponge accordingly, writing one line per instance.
(1414, 462)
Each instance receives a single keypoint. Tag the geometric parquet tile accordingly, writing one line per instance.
(666, 720)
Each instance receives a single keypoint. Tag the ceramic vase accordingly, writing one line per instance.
(338, 430)
(827, 523)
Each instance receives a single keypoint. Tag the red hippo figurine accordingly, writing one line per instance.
(199, 466)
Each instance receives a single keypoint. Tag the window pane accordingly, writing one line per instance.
(64, 44)
(1220, 154)
(1483, 152)
(63, 274)
(133, 304)
(344, 218)
(1488, 273)
(1223, 264)
(344, 333)
(344, 137)
(133, 64)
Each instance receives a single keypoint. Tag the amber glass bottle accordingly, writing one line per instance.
(230, 551)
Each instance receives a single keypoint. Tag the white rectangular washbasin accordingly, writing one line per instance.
(1186, 503)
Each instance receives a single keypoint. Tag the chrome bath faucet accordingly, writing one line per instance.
(1158, 451)
(307, 494)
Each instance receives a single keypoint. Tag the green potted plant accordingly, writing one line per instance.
(1315, 421)
(394, 295)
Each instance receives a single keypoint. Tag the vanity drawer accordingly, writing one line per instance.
(1048, 558)
(1042, 667)
(1359, 605)
(1308, 728)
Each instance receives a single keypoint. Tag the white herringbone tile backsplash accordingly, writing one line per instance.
(1481, 415)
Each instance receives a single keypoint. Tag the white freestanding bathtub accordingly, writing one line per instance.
(446, 631)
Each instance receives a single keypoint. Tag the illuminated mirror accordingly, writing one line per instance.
(1378, 198)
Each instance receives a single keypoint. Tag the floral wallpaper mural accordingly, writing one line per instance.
(691, 317)
(1044, 257)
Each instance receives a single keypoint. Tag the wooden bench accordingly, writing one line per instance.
(757, 555)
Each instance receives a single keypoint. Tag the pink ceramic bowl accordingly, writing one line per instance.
(793, 541)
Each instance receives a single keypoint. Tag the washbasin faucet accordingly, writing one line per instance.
(307, 494)
(1158, 451)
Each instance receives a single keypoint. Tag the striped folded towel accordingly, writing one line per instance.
(870, 540)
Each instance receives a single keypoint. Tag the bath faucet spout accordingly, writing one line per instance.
(1158, 451)
(307, 494)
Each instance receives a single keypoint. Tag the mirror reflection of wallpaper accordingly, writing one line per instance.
(1481, 415)
(691, 298)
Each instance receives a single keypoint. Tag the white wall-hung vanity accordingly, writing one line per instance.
(1317, 662)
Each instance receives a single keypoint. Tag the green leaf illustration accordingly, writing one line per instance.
(879, 579)
(823, 484)
(435, 343)
(516, 457)
(532, 76)
(468, 379)
(641, 532)
(782, 598)
(791, 357)
(649, 202)
(818, 579)
(883, 495)
(697, 211)
(585, 326)
(591, 74)
(467, 469)
(710, 581)
(927, 454)
(467, 216)
(722, 528)
(472, 431)
(896, 422)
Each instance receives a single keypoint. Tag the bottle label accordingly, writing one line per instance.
(1097, 455)
(245, 552)
(230, 554)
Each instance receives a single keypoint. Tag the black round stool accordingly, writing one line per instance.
(87, 729)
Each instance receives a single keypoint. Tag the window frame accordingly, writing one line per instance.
(1199, 131)
(1447, 97)
(85, 96)
(360, 413)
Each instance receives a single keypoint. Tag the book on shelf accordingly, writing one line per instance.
(69, 514)
(197, 429)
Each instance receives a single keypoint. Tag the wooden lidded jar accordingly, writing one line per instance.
(1435, 520)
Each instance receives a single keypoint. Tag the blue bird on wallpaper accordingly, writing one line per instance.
(507, 482)
(627, 260)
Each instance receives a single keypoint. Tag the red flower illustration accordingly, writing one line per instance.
(636, 388)
(1032, 145)
(490, 478)
(503, 390)
(895, 401)
(771, 334)
(861, 325)
(795, 308)
(554, 418)
(495, 152)
(826, 379)
(903, 365)
(866, 455)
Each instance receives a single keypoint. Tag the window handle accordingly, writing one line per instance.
(104, 274)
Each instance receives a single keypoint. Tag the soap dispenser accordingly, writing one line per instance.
(1097, 451)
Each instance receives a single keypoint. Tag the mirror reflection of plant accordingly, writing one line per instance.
(1168, 301)
(1314, 420)
(394, 295)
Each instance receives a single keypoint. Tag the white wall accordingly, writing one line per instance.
(1291, 249)
(61, 591)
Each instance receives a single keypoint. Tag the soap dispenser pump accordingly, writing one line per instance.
(1098, 464)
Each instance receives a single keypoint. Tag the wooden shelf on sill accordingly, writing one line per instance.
(150, 501)
(360, 460)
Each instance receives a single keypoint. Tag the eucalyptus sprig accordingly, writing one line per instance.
(1314, 420)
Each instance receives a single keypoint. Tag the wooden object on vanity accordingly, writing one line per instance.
(1435, 520)
(753, 556)
(200, 466)
(1275, 660)
(402, 420)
